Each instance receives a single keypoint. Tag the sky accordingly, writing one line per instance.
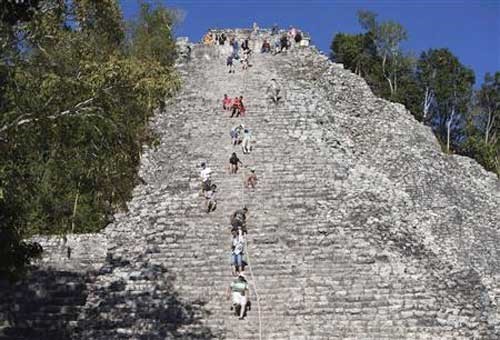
(470, 29)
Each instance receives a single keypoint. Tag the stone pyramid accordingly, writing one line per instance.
(359, 227)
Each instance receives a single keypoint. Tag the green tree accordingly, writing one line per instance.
(408, 91)
(440, 73)
(356, 52)
(377, 56)
(73, 120)
(13, 11)
(436, 87)
(483, 129)
(368, 20)
(489, 103)
(387, 37)
(151, 34)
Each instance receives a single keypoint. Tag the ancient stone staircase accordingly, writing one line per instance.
(359, 228)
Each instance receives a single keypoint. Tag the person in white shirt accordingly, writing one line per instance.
(205, 174)
(236, 134)
(239, 294)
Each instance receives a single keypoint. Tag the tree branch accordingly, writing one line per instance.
(25, 118)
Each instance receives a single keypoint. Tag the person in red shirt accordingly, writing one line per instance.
(226, 103)
(236, 107)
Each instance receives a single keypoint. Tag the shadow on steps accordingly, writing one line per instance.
(51, 304)
(42, 306)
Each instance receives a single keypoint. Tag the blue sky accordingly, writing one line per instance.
(470, 29)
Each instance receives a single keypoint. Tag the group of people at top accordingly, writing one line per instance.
(282, 42)
(214, 38)
(279, 42)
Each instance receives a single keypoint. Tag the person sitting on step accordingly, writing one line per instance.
(238, 220)
(247, 139)
(236, 133)
(284, 43)
(226, 102)
(266, 47)
(251, 179)
(211, 198)
(237, 252)
(208, 39)
(298, 37)
(233, 163)
(222, 39)
(239, 294)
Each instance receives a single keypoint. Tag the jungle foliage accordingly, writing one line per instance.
(435, 86)
(77, 86)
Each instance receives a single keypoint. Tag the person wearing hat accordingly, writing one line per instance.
(266, 47)
(239, 294)
(251, 179)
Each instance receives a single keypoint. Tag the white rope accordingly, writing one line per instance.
(250, 267)
(256, 293)
(254, 282)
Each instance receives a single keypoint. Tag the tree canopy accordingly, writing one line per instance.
(436, 87)
(76, 92)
